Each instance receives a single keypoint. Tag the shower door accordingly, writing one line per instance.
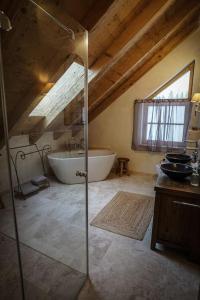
(45, 77)
(11, 282)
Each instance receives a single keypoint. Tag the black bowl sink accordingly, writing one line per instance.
(178, 158)
(176, 171)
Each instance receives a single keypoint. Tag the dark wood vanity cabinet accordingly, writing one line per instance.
(176, 220)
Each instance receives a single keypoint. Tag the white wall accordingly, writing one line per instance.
(113, 127)
(31, 166)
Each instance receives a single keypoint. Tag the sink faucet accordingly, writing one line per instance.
(195, 156)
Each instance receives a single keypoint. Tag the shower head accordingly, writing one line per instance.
(4, 22)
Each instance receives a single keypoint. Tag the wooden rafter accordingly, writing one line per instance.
(190, 24)
(137, 19)
(93, 37)
(138, 15)
(137, 51)
(165, 25)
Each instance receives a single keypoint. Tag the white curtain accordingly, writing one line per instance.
(160, 125)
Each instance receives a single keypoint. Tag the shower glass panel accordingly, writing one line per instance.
(45, 60)
(10, 280)
(10, 267)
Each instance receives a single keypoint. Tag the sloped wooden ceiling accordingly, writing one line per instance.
(173, 23)
(126, 39)
(30, 52)
(149, 31)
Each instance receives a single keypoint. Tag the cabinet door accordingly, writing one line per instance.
(174, 221)
(195, 233)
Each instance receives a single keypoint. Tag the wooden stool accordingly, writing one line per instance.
(123, 166)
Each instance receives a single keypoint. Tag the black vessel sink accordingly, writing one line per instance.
(178, 158)
(176, 171)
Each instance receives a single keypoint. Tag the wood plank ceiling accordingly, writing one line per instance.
(126, 39)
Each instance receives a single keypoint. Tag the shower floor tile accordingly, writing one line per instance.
(51, 222)
(44, 278)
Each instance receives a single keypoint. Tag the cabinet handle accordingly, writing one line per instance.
(186, 204)
(81, 173)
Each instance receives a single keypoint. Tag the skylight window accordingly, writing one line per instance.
(63, 92)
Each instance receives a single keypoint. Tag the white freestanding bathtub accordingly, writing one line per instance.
(66, 164)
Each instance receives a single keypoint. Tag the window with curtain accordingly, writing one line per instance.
(161, 121)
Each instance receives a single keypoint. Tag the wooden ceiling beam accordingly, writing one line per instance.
(138, 16)
(109, 27)
(189, 25)
(153, 37)
(94, 14)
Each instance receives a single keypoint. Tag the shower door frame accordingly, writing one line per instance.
(7, 147)
(8, 155)
(86, 153)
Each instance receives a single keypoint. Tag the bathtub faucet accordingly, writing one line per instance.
(80, 146)
(68, 147)
(75, 146)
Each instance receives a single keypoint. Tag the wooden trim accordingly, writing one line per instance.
(192, 66)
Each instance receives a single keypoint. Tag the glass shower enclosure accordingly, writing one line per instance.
(43, 153)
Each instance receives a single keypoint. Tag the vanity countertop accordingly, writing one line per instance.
(164, 183)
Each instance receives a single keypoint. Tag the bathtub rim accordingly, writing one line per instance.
(78, 157)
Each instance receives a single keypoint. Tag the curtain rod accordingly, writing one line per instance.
(150, 100)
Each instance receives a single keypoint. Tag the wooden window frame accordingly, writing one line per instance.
(144, 141)
(189, 67)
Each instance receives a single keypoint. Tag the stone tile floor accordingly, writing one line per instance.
(123, 268)
(51, 226)
(44, 277)
(52, 222)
